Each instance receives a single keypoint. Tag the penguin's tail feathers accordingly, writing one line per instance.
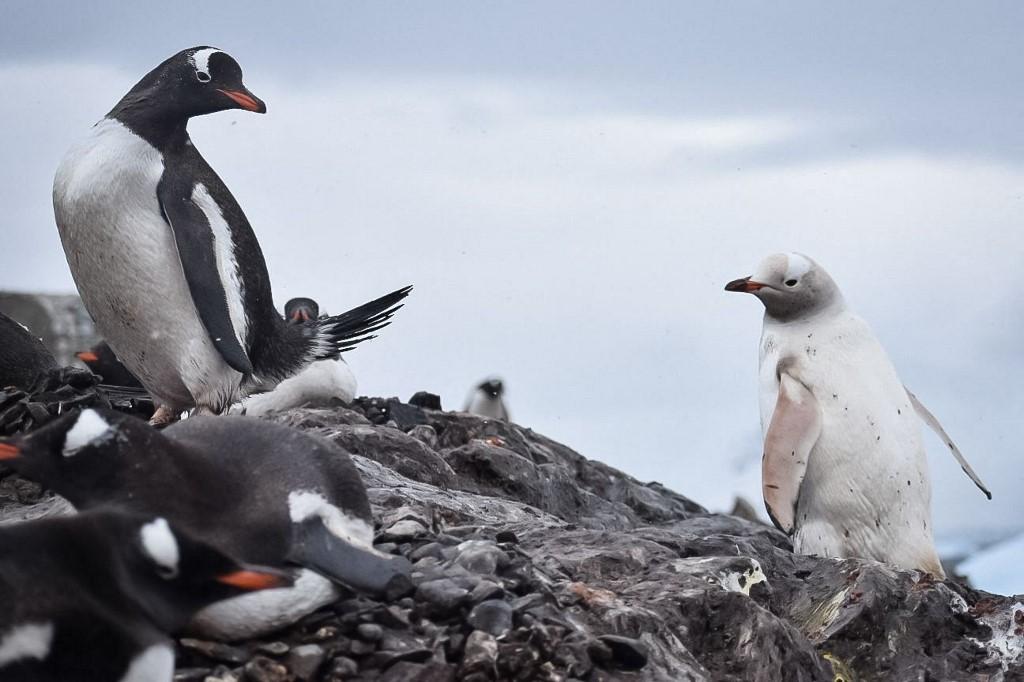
(336, 334)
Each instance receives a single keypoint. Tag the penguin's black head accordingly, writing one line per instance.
(300, 310)
(196, 81)
(493, 387)
(81, 454)
(169, 573)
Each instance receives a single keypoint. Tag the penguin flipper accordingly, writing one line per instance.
(194, 238)
(794, 429)
(928, 418)
(315, 547)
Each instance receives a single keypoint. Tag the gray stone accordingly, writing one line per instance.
(263, 669)
(493, 616)
(443, 594)
(305, 661)
(371, 632)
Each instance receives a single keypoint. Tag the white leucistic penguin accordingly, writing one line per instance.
(93, 597)
(487, 400)
(321, 383)
(166, 261)
(844, 469)
(263, 492)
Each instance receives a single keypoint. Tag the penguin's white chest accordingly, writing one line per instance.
(319, 383)
(251, 615)
(125, 263)
(482, 404)
(866, 491)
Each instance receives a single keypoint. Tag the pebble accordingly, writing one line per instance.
(263, 669)
(480, 556)
(481, 653)
(507, 536)
(424, 434)
(493, 616)
(273, 648)
(442, 593)
(304, 661)
(344, 667)
(370, 631)
(405, 529)
(486, 589)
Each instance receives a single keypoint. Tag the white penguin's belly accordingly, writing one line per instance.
(866, 491)
(319, 383)
(485, 406)
(259, 613)
(125, 263)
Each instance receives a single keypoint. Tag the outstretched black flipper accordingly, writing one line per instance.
(316, 548)
(338, 333)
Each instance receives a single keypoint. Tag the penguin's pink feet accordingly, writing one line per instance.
(164, 416)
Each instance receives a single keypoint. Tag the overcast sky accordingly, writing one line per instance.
(570, 185)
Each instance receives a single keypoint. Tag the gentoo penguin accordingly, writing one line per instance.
(263, 492)
(486, 400)
(844, 468)
(318, 384)
(102, 362)
(23, 357)
(164, 258)
(92, 597)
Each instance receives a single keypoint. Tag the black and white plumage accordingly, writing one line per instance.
(166, 261)
(23, 357)
(263, 492)
(92, 597)
(321, 383)
(487, 400)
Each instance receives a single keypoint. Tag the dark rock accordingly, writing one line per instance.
(371, 632)
(443, 594)
(191, 674)
(626, 653)
(425, 434)
(216, 651)
(426, 400)
(493, 616)
(343, 667)
(263, 669)
(480, 556)
(506, 536)
(480, 655)
(306, 660)
(273, 648)
(486, 589)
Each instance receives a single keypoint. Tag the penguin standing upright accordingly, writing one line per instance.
(487, 400)
(844, 468)
(92, 597)
(320, 383)
(164, 258)
(263, 492)
(23, 357)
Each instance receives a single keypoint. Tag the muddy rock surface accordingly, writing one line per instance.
(532, 562)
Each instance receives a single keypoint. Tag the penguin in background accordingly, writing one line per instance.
(23, 357)
(487, 400)
(263, 492)
(102, 362)
(165, 260)
(318, 384)
(93, 597)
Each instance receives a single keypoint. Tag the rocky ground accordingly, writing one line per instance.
(534, 563)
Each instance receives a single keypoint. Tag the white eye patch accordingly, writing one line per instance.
(201, 60)
(797, 267)
(161, 546)
(89, 428)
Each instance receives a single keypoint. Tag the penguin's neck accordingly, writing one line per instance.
(162, 129)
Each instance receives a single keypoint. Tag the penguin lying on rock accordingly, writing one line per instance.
(93, 597)
(263, 492)
(164, 258)
(23, 357)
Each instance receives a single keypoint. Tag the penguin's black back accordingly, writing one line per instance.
(227, 480)
(23, 357)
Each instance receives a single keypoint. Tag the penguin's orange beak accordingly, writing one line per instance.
(744, 284)
(251, 580)
(9, 451)
(245, 100)
(87, 356)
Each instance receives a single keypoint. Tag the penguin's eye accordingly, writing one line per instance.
(790, 282)
(202, 76)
